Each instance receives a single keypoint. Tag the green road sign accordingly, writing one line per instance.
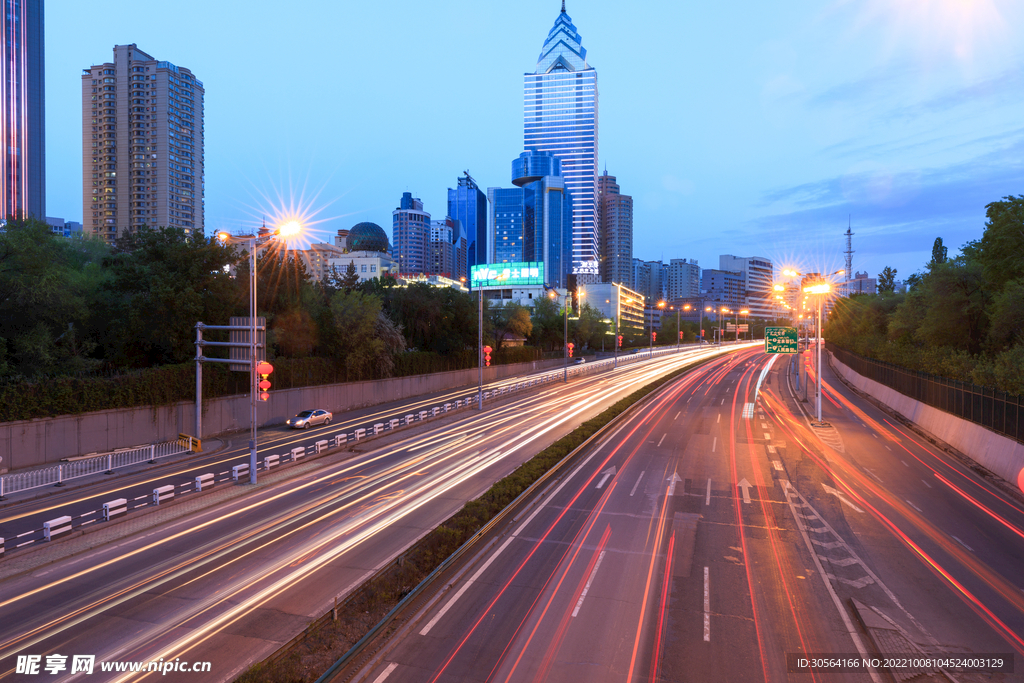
(780, 340)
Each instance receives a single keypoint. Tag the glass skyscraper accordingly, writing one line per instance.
(22, 100)
(468, 205)
(560, 116)
(532, 222)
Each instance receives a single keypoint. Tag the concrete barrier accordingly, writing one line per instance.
(998, 454)
(55, 527)
(114, 508)
(202, 480)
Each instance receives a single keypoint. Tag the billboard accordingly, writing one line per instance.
(507, 274)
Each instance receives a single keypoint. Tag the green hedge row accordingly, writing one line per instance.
(375, 599)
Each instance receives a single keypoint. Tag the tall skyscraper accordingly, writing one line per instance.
(142, 146)
(560, 116)
(468, 205)
(411, 236)
(616, 231)
(22, 120)
(532, 222)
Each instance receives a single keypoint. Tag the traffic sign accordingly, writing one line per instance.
(780, 340)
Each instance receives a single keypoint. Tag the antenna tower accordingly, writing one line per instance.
(849, 250)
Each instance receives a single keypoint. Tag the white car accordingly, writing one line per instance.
(307, 418)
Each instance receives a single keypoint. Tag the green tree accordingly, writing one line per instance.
(351, 278)
(939, 252)
(350, 333)
(887, 280)
(587, 330)
(1001, 248)
(547, 332)
(1007, 316)
(509, 320)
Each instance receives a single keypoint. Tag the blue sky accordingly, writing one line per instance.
(748, 128)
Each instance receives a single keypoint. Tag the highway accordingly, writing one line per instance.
(229, 584)
(712, 534)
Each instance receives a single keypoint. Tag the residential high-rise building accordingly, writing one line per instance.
(22, 104)
(468, 205)
(411, 236)
(142, 146)
(532, 222)
(724, 288)
(649, 279)
(560, 116)
(758, 278)
(683, 279)
(616, 231)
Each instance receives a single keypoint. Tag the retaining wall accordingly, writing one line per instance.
(994, 452)
(30, 443)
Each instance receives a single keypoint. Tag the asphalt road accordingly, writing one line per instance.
(230, 583)
(710, 537)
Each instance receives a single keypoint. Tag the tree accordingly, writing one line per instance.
(510, 320)
(913, 281)
(938, 252)
(351, 278)
(350, 333)
(589, 327)
(1001, 248)
(887, 280)
(547, 324)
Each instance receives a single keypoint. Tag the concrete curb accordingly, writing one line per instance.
(998, 454)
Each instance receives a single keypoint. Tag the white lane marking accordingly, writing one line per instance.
(662, 439)
(718, 419)
(608, 473)
(777, 465)
(707, 499)
(874, 475)
(672, 481)
(386, 672)
(842, 497)
(677, 415)
(637, 482)
(926, 483)
(590, 579)
(888, 449)
(714, 444)
(771, 448)
(963, 544)
(767, 436)
(745, 486)
(444, 610)
(764, 425)
(904, 463)
(912, 505)
(875, 435)
(722, 403)
(707, 607)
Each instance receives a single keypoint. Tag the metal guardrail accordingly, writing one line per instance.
(56, 475)
(999, 411)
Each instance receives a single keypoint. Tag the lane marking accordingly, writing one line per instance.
(719, 419)
(888, 449)
(764, 425)
(608, 473)
(637, 482)
(842, 497)
(926, 483)
(777, 465)
(444, 610)
(662, 439)
(714, 444)
(722, 403)
(963, 544)
(771, 448)
(707, 499)
(677, 415)
(590, 579)
(745, 486)
(672, 481)
(874, 475)
(912, 505)
(386, 672)
(707, 605)
(875, 435)
(904, 462)
(767, 436)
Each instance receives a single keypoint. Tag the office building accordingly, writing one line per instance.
(758, 278)
(723, 288)
(22, 119)
(447, 249)
(683, 279)
(617, 302)
(560, 117)
(616, 218)
(411, 235)
(468, 205)
(532, 222)
(142, 146)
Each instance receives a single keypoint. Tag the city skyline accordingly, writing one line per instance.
(765, 142)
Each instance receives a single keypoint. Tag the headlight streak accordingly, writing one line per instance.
(257, 531)
(967, 561)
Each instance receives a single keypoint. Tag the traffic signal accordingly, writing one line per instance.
(263, 369)
(487, 356)
(570, 345)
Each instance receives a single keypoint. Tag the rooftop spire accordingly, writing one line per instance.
(563, 6)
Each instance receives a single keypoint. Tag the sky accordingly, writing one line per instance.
(745, 128)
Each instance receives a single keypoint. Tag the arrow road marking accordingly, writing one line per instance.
(672, 484)
(608, 473)
(745, 485)
(839, 494)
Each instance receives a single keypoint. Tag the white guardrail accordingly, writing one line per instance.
(56, 475)
(240, 472)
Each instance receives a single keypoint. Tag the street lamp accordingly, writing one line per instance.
(253, 243)
(661, 304)
(821, 289)
(746, 314)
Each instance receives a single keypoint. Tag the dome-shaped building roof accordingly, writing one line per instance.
(368, 237)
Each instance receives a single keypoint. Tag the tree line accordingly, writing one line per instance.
(961, 317)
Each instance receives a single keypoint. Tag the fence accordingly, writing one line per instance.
(997, 410)
(108, 462)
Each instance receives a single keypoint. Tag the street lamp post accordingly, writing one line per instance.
(821, 289)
